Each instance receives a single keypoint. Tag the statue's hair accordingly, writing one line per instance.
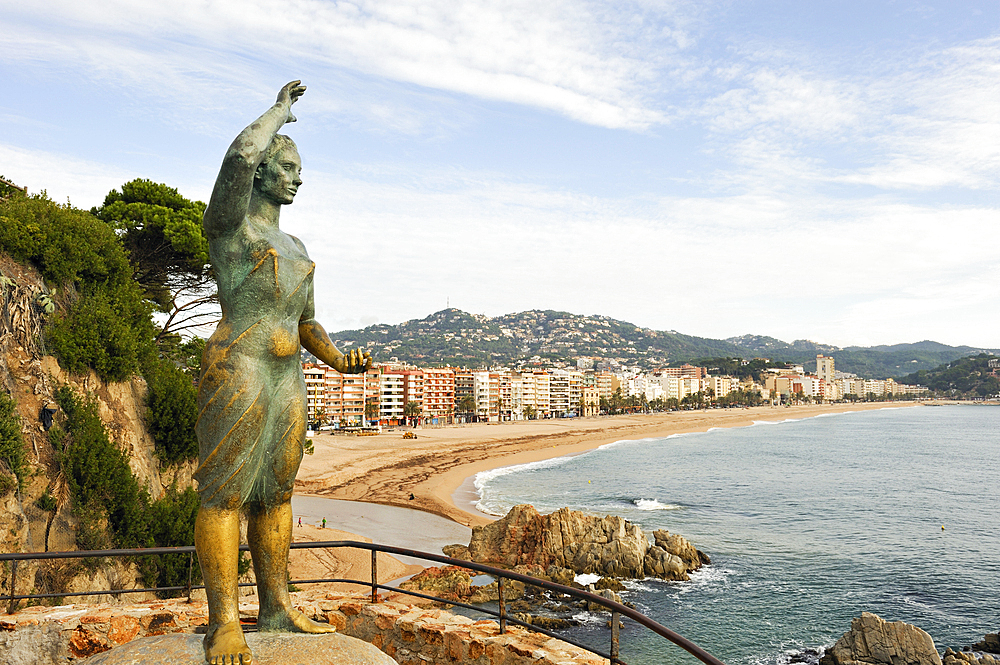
(277, 144)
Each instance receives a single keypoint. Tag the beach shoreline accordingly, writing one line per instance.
(389, 470)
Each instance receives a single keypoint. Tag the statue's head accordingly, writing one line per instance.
(279, 175)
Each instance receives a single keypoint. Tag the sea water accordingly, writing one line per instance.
(808, 523)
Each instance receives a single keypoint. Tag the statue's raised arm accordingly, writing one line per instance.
(227, 209)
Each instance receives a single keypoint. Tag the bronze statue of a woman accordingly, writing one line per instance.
(252, 397)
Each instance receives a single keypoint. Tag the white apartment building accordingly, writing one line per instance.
(565, 391)
(529, 388)
(391, 400)
(486, 389)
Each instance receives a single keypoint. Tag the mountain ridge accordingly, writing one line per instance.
(454, 337)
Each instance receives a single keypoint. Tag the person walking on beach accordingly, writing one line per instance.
(300, 521)
(324, 522)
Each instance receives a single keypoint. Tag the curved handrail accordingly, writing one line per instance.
(615, 607)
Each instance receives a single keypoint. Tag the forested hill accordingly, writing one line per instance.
(454, 337)
(896, 360)
(969, 376)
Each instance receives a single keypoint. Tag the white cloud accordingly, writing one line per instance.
(780, 265)
(556, 56)
(83, 182)
(900, 125)
(942, 122)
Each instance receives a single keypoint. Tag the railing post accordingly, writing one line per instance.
(615, 620)
(190, 571)
(503, 607)
(374, 577)
(13, 578)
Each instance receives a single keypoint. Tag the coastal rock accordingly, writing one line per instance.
(456, 552)
(448, 583)
(609, 546)
(968, 658)
(672, 557)
(989, 644)
(874, 641)
(607, 594)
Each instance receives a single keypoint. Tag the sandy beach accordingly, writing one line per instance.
(386, 469)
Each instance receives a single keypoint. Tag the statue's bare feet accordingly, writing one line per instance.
(291, 620)
(225, 645)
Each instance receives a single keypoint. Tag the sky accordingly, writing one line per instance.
(804, 170)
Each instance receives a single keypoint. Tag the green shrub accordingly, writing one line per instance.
(172, 410)
(108, 327)
(113, 510)
(171, 521)
(11, 442)
(67, 244)
(46, 502)
(100, 480)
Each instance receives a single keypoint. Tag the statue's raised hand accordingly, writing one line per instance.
(353, 362)
(289, 94)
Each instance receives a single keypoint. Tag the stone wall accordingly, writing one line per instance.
(411, 635)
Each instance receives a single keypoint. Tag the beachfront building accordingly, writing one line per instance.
(413, 391)
(439, 395)
(678, 387)
(559, 393)
(465, 386)
(591, 402)
(722, 385)
(530, 396)
(486, 387)
(825, 369)
(391, 397)
(604, 383)
(506, 396)
(315, 376)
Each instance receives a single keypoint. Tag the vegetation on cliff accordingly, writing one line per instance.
(103, 322)
(113, 509)
(107, 271)
(11, 445)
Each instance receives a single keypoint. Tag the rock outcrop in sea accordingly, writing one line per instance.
(569, 540)
(872, 640)
(875, 641)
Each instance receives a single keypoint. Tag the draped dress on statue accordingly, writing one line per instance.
(252, 395)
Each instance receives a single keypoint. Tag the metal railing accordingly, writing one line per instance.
(618, 610)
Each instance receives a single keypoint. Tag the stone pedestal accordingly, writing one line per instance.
(268, 649)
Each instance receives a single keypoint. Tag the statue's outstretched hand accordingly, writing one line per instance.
(353, 362)
(289, 94)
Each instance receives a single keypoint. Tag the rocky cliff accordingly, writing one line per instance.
(31, 378)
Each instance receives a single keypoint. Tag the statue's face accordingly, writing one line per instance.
(279, 178)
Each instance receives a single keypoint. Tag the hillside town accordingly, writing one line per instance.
(396, 393)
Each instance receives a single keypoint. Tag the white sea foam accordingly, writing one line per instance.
(587, 617)
(484, 477)
(653, 504)
(703, 577)
(586, 578)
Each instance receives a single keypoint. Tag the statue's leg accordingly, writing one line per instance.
(217, 538)
(269, 533)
